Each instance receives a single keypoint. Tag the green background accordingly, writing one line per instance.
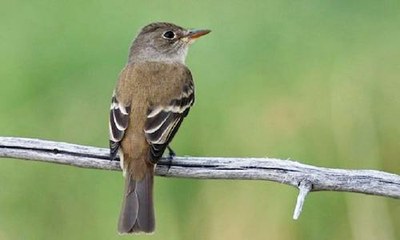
(314, 81)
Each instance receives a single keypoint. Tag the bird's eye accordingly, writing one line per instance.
(169, 35)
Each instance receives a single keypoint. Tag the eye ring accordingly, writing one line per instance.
(169, 35)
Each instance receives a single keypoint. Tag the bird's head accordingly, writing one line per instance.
(163, 42)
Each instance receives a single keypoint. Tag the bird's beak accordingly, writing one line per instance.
(194, 34)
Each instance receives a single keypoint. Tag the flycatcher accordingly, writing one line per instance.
(153, 95)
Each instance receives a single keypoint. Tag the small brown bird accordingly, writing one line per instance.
(153, 95)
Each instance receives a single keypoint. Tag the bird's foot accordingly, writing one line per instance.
(171, 155)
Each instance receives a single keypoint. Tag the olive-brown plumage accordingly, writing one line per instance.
(154, 93)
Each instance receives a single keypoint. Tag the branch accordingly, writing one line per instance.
(305, 177)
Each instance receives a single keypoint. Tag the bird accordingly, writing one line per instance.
(153, 94)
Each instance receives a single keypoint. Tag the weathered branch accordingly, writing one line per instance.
(305, 177)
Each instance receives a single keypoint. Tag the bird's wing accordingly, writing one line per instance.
(163, 121)
(118, 123)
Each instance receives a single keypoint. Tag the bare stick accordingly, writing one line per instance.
(276, 170)
(304, 188)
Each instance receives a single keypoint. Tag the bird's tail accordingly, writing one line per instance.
(137, 214)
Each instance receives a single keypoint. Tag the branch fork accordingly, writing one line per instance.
(305, 187)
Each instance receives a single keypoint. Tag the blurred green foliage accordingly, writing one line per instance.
(315, 81)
